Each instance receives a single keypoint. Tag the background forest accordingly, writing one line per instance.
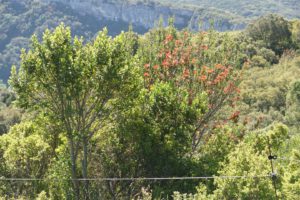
(97, 117)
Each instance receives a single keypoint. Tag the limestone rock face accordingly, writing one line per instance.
(146, 14)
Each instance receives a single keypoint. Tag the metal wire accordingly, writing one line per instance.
(136, 179)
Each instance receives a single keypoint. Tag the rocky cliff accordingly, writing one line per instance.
(147, 13)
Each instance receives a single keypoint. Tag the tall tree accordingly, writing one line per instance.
(273, 31)
(201, 63)
(72, 82)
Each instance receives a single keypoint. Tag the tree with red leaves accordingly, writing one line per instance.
(203, 62)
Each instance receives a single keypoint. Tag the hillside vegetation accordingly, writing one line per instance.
(170, 114)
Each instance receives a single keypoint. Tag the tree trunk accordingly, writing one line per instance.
(74, 168)
(85, 168)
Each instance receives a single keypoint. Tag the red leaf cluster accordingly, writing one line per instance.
(184, 62)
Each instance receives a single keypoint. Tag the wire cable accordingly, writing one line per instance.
(137, 178)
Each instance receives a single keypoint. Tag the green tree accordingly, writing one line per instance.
(72, 82)
(181, 87)
(150, 138)
(250, 158)
(273, 31)
(264, 92)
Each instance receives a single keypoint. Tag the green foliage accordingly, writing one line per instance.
(244, 161)
(273, 31)
(155, 136)
(24, 153)
(254, 53)
(264, 91)
(293, 106)
(291, 184)
(296, 33)
(162, 105)
(259, 61)
(249, 158)
(215, 150)
(42, 196)
(72, 83)
(9, 115)
(59, 173)
(268, 55)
